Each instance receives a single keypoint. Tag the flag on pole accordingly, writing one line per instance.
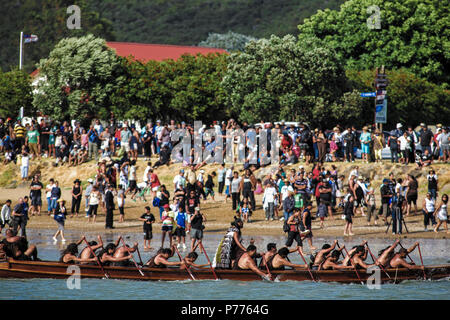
(30, 38)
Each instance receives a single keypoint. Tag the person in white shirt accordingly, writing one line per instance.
(354, 172)
(5, 214)
(270, 194)
(25, 163)
(200, 177)
(228, 177)
(48, 195)
(405, 147)
(179, 182)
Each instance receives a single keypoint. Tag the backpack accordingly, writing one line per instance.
(156, 202)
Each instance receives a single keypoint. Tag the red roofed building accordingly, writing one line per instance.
(145, 52)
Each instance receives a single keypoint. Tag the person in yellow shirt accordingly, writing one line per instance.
(168, 220)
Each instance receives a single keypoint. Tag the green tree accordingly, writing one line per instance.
(15, 92)
(230, 41)
(277, 78)
(79, 76)
(413, 34)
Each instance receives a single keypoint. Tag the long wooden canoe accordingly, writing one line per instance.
(47, 269)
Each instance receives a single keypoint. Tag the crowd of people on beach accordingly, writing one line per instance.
(70, 143)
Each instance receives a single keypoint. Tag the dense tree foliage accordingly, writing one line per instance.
(278, 79)
(79, 76)
(186, 89)
(46, 19)
(413, 34)
(15, 92)
(188, 22)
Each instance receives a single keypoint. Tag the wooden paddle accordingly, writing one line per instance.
(307, 266)
(353, 265)
(207, 258)
(187, 266)
(98, 260)
(375, 261)
(406, 252)
(421, 260)
(137, 267)
(139, 255)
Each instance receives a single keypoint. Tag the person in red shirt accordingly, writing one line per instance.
(154, 182)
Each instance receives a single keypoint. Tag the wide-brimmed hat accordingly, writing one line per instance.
(166, 206)
(90, 180)
(60, 200)
(77, 180)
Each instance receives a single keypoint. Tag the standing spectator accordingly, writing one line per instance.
(77, 193)
(36, 195)
(148, 218)
(147, 139)
(393, 145)
(197, 227)
(93, 138)
(411, 193)
(94, 200)
(168, 217)
(321, 142)
(19, 133)
(48, 195)
(228, 177)
(248, 184)
(349, 140)
(235, 189)
(109, 203)
(365, 139)
(87, 194)
(378, 145)
(24, 165)
(425, 138)
(405, 147)
(60, 216)
(5, 217)
(441, 213)
(428, 209)
(182, 221)
(209, 185)
(32, 141)
(221, 178)
(270, 194)
(121, 203)
(125, 136)
(371, 203)
(179, 181)
(55, 195)
(348, 212)
(444, 141)
(432, 184)
(288, 204)
(19, 217)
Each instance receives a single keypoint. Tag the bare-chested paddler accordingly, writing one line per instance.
(322, 254)
(280, 261)
(398, 260)
(86, 253)
(122, 252)
(386, 255)
(246, 262)
(160, 259)
(189, 261)
(332, 262)
(268, 256)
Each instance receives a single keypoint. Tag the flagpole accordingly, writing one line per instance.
(20, 50)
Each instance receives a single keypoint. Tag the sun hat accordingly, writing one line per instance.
(166, 206)
(90, 180)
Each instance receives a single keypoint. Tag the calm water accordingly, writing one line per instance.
(434, 252)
